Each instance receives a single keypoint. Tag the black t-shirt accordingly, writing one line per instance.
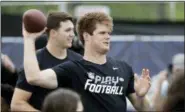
(45, 60)
(103, 88)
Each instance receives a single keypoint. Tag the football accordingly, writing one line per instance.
(34, 20)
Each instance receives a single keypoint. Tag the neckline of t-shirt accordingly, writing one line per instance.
(56, 57)
(92, 63)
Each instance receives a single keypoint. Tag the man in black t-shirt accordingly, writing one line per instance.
(104, 83)
(8, 79)
(8, 71)
(60, 30)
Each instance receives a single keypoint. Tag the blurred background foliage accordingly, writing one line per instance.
(138, 11)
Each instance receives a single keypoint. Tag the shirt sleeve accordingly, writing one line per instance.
(64, 73)
(22, 82)
(130, 88)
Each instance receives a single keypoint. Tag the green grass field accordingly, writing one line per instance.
(142, 11)
(138, 11)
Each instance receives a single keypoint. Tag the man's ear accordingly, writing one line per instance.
(85, 36)
(53, 32)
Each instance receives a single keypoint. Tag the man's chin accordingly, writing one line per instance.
(105, 50)
(69, 45)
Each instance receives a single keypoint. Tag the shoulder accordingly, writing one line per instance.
(40, 51)
(66, 67)
(42, 54)
(73, 55)
(71, 65)
(68, 64)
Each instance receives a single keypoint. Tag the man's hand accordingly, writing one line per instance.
(29, 35)
(162, 77)
(142, 84)
(8, 63)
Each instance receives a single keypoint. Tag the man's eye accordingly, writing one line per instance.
(109, 33)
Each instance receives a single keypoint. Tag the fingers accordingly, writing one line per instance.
(25, 33)
(34, 35)
(23, 29)
(145, 72)
(149, 83)
(149, 78)
(136, 77)
(43, 30)
(146, 75)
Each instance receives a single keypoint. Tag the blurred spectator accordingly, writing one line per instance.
(160, 82)
(62, 100)
(7, 62)
(178, 63)
(177, 66)
(8, 81)
(174, 101)
(155, 91)
(8, 71)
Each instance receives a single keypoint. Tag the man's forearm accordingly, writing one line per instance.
(22, 106)
(140, 103)
(30, 60)
(144, 104)
(156, 98)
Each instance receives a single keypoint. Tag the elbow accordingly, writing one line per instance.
(15, 106)
(32, 76)
(32, 81)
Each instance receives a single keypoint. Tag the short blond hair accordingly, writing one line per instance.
(87, 23)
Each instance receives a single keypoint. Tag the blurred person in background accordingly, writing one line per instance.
(8, 70)
(160, 82)
(176, 66)
(103, 82)
(8, 80)
(62, 100)
(174, 99)
(60, 30)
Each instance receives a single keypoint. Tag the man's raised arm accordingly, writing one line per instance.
(141, 86)
(34, 76)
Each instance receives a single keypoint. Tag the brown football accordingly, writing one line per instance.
(34, 20)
